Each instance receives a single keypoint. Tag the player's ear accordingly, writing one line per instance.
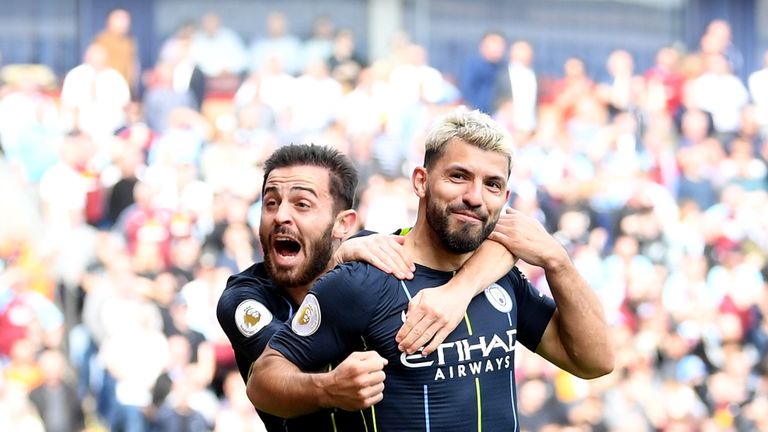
(344, 225)
(419, 181)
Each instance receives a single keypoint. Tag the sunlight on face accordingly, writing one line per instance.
(296, 224)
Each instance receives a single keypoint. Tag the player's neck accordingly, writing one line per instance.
(297, 293)
(426, 248)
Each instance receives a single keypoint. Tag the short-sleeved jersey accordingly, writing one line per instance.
(467, 384)
(250, 310)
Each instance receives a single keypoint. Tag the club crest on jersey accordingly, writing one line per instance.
(307, 319)
(251, 316)
(499, 298)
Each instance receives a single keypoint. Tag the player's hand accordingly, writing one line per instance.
(527, 239)
(432, 315)
(358, 382)
(383, 251)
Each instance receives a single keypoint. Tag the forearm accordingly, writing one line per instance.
(435, 312)
(581, 324)
(280, 388)
(489, 263)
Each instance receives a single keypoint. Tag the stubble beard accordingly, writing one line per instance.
(316, 262)
(465, 239)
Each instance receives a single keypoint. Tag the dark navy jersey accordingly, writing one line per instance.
(250, 310)
(467, 384)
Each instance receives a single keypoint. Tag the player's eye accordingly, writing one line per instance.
(494, 186)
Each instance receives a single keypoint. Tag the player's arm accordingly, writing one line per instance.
(576, 338)
(380, 250)
(247, 337)
(434, 313)
(333, 314)
(279, 387)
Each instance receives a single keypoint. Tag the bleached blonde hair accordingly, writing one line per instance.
(473, 127)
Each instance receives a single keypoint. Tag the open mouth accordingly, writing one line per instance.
(286, 247)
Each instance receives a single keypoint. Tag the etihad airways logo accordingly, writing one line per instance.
(470, 356)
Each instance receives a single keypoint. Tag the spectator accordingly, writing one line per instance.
(658, 154)
(479, 73)
(620, 268)
(185, 257)
(319, 45)
(125, 359)
(162, 98)
(718, 38)
(272, 87)
(95, 96)
(695, 128)
(177, 414)
(664, 81)
(722, 94)
(742, 167)
(572, 87)
(386, 203)
(16, 411)
(181, 394)
(121, 51)
(620, 92)
(130, 163)
(345, 62)
(182, 142)
(238, 252)
(363, 109)
(29, 127)
(316, 97)
(758, 91)
(218, 50)
(686, 295)
(254, 131)
(237, 412)
(695, 181)
(414, 81)
(539, 408)
(517, 85)
(22, 367)
(145, 220)
(414, 87)
(187, 75)
(56, 398)
(278, 42)
(28, 317)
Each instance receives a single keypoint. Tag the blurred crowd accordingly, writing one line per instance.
(131, 195)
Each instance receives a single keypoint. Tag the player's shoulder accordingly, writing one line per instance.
(248, 303)
(253, 278)
(251, 283)
(517, 277)
(356, 270)
(520, 285)
(514, 281)
(351, 276)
